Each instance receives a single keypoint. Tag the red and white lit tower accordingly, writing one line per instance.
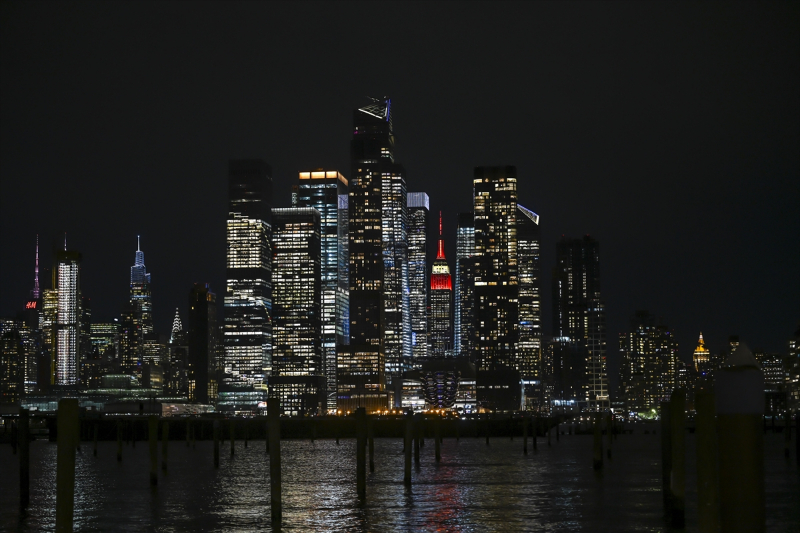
(441, 329)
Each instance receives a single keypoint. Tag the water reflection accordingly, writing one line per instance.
(475, 488)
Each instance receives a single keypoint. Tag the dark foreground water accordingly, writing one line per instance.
(475, 488)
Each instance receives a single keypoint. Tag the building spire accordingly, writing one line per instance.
(35, 292)
(138, 244)
(440, 250)
(65, 241)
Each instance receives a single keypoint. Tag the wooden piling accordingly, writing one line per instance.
(94, 437)
(549, 429)
(216, 443)
(152, 437)
(678, 474)
(119, 440)
(525, 421)
(707, 463)
(407, 448)
(68, 427)
(24, 458)
(371, 436)
(266, 436)
(233, 436)
(666, 457)
(416, 438)
(361, 446)
(598, 442)
(787, 434)
(535, 433)
(487, 429)
(276, 506)
(609, 433)
(188, 430)
(558, 431)
(438, 439)
(164, 444)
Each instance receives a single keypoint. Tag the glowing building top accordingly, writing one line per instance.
(36, 293)
(702, 356)
(440, 275)
(139, 276)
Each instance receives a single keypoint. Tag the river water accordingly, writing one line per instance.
(475, 488)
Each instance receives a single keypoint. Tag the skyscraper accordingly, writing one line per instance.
(321, 189)
(579, 319)
(496, 287)
(298, 370)
(464, 320)
(68, 314)
(248, 296)
(441, 301)
(418, 208)
(529, 346)
(137, 318)
(649, 363)
(202, 341)
(380, 328)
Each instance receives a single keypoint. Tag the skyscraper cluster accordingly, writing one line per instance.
(333, 303)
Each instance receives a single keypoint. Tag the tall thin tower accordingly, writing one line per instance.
(36, 293)
(441, 300)
(68, 316)
(418, 209)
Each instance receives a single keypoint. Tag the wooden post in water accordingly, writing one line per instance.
(422, 427)
(610, 431)
(164, 444)
(274, 415)
(787, 434)
(707, 463)
(417, 427)
(152, 437)
(678, 474)
(14, 436)
(133, 433)
(487, 429)
(119, 440)
(535, 433)
(438, 439)
(233, 436)
(558, 431)
(598, 442)
(246, 433)
(266, 435)
(371, 437)
(216, 443)
(739, 395)
(361, 452)
(666, 457)
(188, 429)
(797, 438)
(24, 458)
(94, 437)
(407, 448)
(549, 429)
(525, 421)
(68, 427)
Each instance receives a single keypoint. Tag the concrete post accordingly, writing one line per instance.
(68, 427)
(407, 448)
(216, 443)
(707, 463)
(152, 436)
(361, 449)
(739, 390)
(666, 457)
(164, 444)
(598, 442)
(276, 505)
(678, 473)
(25, 458)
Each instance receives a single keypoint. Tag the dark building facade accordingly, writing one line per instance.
(202, 342)
(579, 321)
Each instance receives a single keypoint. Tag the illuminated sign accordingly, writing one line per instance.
(33, 304)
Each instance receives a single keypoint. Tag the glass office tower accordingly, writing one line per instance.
(418, 209)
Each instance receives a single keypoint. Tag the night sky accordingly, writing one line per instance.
(670, 132)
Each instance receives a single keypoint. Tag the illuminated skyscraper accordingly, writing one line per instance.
(298, 370)
(496, 287)
(464, 320)
(441, 300)
(137, 319)
(248, 297)
(702, 357)
(649, 363)
(418, 208)
(321, 190)
(530, 311)
(68, 315)
(579, 316)
(380, 327)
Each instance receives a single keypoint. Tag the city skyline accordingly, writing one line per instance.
(723, 211)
